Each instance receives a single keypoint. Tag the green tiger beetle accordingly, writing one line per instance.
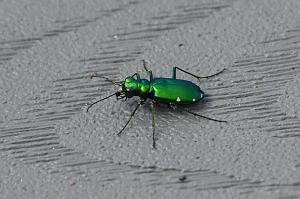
(171, 91)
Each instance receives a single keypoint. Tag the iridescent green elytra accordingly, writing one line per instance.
(171, 91)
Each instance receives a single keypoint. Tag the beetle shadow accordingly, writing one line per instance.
(174, 109)
(166, 112)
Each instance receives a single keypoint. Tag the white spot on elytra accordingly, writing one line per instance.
(194, 99)
(178, 99)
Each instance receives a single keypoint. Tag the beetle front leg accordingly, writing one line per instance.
(137, 76)
(131, 116)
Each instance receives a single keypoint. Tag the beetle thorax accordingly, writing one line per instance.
(133, 87)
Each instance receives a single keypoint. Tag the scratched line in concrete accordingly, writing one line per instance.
(256, 96)
(279, 66)
(9, 49)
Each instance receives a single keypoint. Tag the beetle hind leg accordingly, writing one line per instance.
(202, 116)
(196, 76)
(147, 70)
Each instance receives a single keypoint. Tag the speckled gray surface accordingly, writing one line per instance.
(51, 148)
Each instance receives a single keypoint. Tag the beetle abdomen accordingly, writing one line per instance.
(176, 91)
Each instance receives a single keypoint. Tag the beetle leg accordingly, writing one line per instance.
(124, 99)
(196, 114)
(147, 70)
(153, 123)
(137, 76)
(172, 106)
(213, 75)
(131, 116)
(196, 76)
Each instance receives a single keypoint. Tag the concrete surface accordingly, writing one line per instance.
(51, 148)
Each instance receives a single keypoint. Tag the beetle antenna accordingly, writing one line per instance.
(196, 114)
(118, 83)
(87, 110)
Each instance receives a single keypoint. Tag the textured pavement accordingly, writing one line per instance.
(51, 148)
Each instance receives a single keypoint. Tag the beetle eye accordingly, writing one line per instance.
(128, 80)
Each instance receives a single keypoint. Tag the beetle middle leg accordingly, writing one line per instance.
(196, 76)
(152, 105)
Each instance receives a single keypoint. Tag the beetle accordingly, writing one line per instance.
(171, 91)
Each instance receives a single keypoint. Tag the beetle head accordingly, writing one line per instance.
(129, 88)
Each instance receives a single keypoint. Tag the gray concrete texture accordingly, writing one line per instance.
(51, 148)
